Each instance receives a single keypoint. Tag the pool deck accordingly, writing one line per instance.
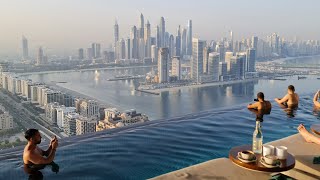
(224, 169)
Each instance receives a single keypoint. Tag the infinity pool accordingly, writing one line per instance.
(162, 146)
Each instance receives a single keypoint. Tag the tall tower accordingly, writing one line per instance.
(147, 39)
(141, 26)
(154, 53)
(163, 65)
(178, 43)
(183, 42)
(128, 48)
(254, 42)
(116, 32)
(189, 38)
(213, 65)
(80, 54)
(251, 60)
(231, 41)
(162, 31)
(176, 67)
(25, 51)
(171, 46)
(197, 59)
(134, 42)
(40, 56)
(158, 40)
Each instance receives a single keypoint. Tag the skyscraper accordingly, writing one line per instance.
(122, 49)
(213, 66)
(96, 50)
(231, 41)
(163, 65)
(220, 49)
(183, 42)
(171, 46)
(128, 48)
(25, 51)
(176, 67)
(197, 59)
(274, 43)
(158, 40)
(147, 39)
(154, 53)
(141, 26)
(189, 38)
(116, 39)
(134, 42)
(206, 51)
(40, 57)
(80, 54)
(251, 60)
(116, 33)
(162, 31)
(178, 43)
(254, 42)
(235, 67)
(89, 53)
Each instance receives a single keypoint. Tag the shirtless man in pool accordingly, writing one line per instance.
(32, 154)
(290, 100)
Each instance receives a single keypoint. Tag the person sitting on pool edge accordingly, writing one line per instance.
(308, 136)
(262, 106)
(290, 100)
(315, 99)
(32, 154)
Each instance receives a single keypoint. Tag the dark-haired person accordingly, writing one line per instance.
(290, 100)
(263, 106)
(32, 154)
(315, 99)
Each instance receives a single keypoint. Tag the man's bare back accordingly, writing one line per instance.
(291, 99)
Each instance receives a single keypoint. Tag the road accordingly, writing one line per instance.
(23, 115)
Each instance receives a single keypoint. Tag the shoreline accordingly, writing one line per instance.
(168, 89)
(281, 60)
(79, 70)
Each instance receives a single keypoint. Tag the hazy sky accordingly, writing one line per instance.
(66, 25)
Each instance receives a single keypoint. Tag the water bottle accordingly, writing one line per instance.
(257, 139)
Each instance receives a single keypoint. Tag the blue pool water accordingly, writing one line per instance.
(162, 146)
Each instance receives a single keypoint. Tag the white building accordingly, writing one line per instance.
(176, 67)
(197, 59)
(115, 119)
(63, 111)
(51, 111)
(213, 66)
(70, 124)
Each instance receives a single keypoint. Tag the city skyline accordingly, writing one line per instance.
(82, 28)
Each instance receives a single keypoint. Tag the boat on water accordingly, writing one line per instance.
(318, 78)
(302, 77)
(280, 79)
(125, 77)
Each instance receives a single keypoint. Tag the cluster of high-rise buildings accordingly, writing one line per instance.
(145, 41)
(75, 116)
